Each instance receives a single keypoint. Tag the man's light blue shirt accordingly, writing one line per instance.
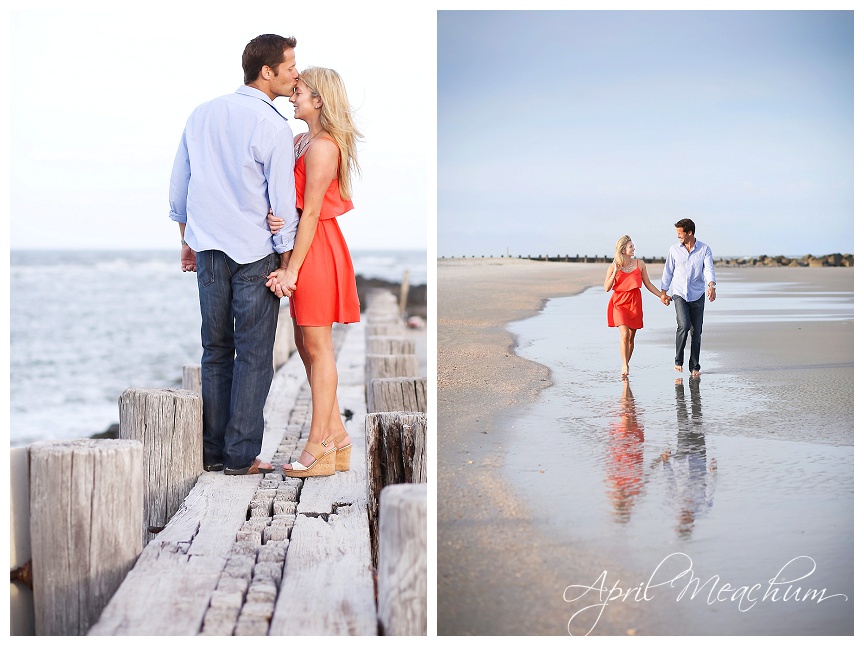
(235, 161)
(687, 273)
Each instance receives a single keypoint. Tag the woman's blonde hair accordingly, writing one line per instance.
(619, 249)
(336, 119)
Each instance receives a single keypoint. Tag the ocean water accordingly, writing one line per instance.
(667, 475)
(86, 325)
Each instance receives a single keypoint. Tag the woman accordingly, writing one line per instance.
(326, 290)
(625, 277)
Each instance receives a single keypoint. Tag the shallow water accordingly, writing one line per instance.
(659, 473)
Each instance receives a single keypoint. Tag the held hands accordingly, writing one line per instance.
(274, 223)
(187, 258)
(282, 282)
(665, 298)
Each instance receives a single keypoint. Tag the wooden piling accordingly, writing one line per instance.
(406, 394)
(390, 345)
(382, 366)
(192, 378)
(392, 440)
(169, 423)
(402, 560)
(86, 502)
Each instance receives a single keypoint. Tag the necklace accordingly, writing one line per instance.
(303, 143)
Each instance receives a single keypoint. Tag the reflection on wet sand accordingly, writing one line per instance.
(690, 477)
(625, 474)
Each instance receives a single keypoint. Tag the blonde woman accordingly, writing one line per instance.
(319, 276)
(625, 277)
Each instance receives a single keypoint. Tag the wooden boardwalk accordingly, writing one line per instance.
(265, 555)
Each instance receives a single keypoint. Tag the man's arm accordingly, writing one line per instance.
(188, 258)
(279, 173)
(708, 269)
(177, 194)
(666, 279)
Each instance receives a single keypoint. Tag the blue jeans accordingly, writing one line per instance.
(238, 329)
(689, 315)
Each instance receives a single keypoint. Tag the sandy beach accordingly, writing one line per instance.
(481, 524)
(499, 564)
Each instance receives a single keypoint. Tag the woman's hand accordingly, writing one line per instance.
(274, 223)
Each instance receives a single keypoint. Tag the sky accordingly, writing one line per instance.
(560, 131)
(100, 95)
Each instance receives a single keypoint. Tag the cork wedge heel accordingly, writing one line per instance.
(343, 455)
(324, 464)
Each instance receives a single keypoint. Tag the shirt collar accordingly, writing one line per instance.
(258, 94)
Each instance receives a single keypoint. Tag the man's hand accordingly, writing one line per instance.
(187, 258)
(282, 282)
(712, 293)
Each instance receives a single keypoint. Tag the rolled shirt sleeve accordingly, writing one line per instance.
(709, 266)
(179, 188)
(279, 171)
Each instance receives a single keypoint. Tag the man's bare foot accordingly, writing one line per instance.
(678, 368)
(695, 374)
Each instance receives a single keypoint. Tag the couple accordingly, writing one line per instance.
(689, 266)
(256, 209)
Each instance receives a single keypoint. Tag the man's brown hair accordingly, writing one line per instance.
(687, 224)
(266, 49)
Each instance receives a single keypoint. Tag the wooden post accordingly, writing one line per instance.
(192, 377)
(21, 617)
(390, 345)
(381, 366)
(284, 345)
(86, 499)
(391, 450)
(402, 560)
(404, 394)
(385, 329)
(403, 293)
(169, 423)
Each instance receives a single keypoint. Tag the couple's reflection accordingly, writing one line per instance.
(625, 474)
(689, 476)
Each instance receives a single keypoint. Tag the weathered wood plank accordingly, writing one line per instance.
(86, 501)
(327, 586)
(169, 590)
(402, 560)
(169, 423)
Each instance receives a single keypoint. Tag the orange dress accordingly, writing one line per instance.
(625, 306)
(326, 287)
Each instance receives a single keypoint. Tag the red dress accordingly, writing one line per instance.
(625, 306)
(326, 288)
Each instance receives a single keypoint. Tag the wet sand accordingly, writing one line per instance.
(481, 523)
(494, 554)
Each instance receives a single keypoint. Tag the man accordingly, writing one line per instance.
(689, 266)
(235, 161)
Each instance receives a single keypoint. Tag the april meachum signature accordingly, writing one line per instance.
(746, 596)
